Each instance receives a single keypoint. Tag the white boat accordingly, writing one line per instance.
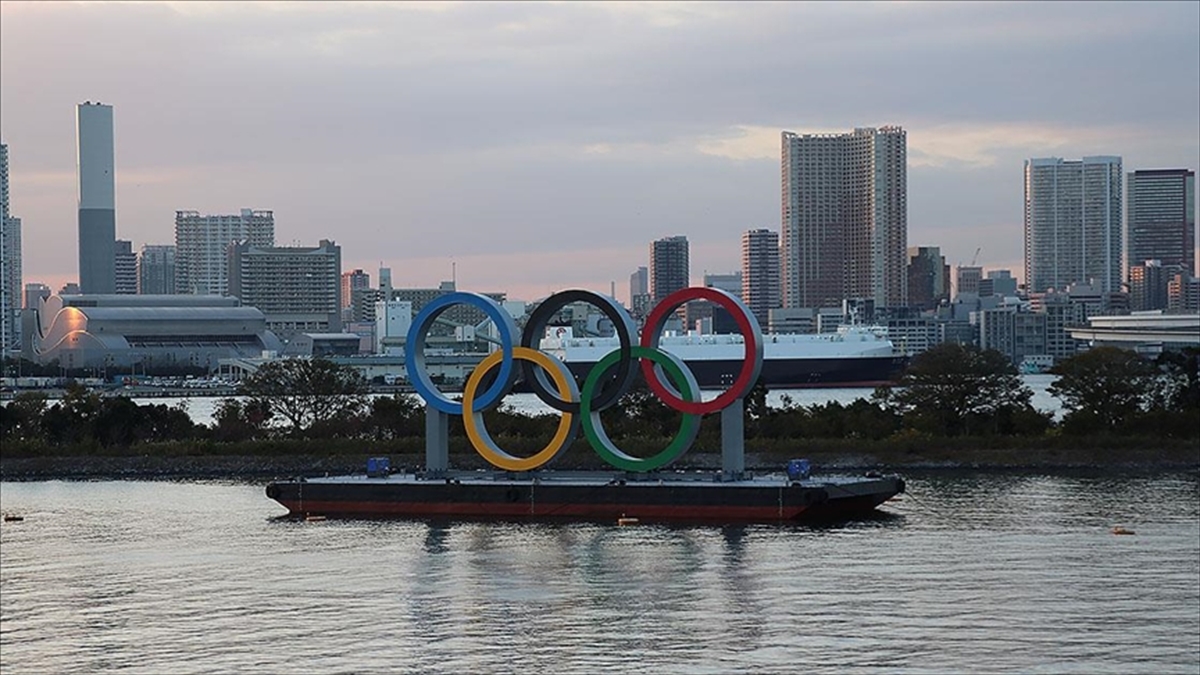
(854, 356)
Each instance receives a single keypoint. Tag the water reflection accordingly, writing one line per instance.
(965, 572)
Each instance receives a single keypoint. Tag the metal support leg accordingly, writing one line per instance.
(733, 441)
(437, 442)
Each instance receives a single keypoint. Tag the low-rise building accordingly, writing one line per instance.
(1146, 332)
(147, 332)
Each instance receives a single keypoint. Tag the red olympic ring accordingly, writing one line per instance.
(747, 324)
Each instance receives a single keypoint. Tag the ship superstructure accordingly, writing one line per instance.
(855, 355)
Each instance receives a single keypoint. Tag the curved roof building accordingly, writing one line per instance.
(122, 331)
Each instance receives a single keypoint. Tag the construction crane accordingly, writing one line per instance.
(976, 256)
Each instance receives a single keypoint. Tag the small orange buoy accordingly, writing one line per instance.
(1120, 530)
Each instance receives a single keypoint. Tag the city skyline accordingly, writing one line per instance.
(578, 144)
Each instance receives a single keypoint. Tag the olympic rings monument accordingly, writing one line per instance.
(636, 488)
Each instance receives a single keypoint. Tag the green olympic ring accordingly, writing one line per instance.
(594, 432)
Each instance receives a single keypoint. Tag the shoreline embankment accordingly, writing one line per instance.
(269, 467)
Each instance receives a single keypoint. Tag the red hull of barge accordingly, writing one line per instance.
(474, 497)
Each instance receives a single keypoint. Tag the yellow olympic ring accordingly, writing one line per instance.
(568, 390)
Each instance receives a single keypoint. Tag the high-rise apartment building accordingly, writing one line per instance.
(125, 268)
(1148, 285)
(760, 273)
(10, 266)
(352, 281)
(12, 276)
(844, 218)
(97, 198)
(1073, 223)
(156, 270)
(297, 288)
(1160, 221)
(6, 302)
(202, 247)
(966, 279)
(928, 277)
(668, 267)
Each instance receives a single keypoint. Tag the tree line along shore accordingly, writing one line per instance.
(955, 406)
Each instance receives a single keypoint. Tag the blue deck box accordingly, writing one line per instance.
(378, 467)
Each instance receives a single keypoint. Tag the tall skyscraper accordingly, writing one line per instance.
(1073, 223)
(156, 270)
(760, 272)
(125, 268)
(928, 277)
(668, 266)
(97, 198)
(844, 218)
(3, 180)
(6, 321)
(1160, 219)
(10, 266)
(202, 243)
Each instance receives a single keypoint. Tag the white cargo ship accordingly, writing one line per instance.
(854, 356)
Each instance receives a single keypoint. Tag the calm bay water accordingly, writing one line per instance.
(201, 408)
(980, 573)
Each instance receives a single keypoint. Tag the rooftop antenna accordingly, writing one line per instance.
(454, 274)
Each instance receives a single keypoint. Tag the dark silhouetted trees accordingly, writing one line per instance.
(315, 395)
(1118, 391)
(955, 389)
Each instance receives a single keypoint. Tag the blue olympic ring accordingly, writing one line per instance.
(414, 357)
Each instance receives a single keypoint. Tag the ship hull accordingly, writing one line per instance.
(866, 371)
(598, 497)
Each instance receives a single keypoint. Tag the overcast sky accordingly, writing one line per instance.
(541, 146)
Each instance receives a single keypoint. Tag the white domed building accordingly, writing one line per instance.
(148, 331)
